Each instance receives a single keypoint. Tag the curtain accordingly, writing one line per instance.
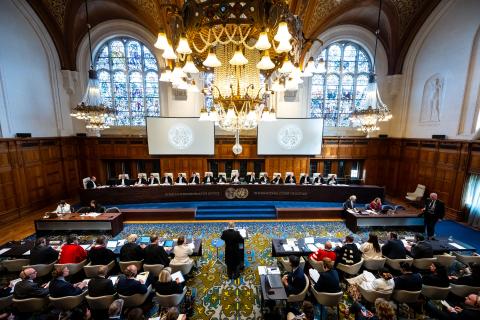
(472, 200)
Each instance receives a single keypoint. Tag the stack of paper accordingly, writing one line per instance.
(314, 274)
(291, 241)
(286, 247)
(295, 248)
(178, 275)
(309, 240)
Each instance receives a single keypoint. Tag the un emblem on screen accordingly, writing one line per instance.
(239, 193)
(289, 137)
(180, 136)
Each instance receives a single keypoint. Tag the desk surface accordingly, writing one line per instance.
(112, 222)
(277, 293)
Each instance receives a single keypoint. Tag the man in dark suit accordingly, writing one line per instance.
(123, 181)
(140, 181)
(91, 184)
(100, 285)
(277, 180)
(152, 180)
(408, 280)
(59, 287)
(26, 288)
(128, 285)
(434, 210)
(332, 180)
(208, 179)
(99, 254)
(305, 179)
(290, 178)
(318, 180)
(131, 251)
(294, 281)
(264, 179)
(167, 179)
(328, 280)
(233, 253)
(194, 179)
(221, 179)
(180, 179)
(250, 179)
(155, 254)
(394, 248)
(349, 253)
(421, 249)
(42, 253)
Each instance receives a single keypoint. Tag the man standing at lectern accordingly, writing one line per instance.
(434, 210)
(233, 257)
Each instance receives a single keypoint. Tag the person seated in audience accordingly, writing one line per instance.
(128, 285)
(221, 179)
(180, 179)
(376, 204)
(115, 309)
(59, 287)
(165, 285)
(332, 180)
(277, 180)
(305, 179)
(307, 312)
(328, 280)
(371, 248)
(208, 179)
(92, 184)
(294, 281)
(181, 252)
(349, 253)
(421, 248)
(470, 310)
(131, 251)
(438, 276)
(264, 179)
(80, 312)
(141, 181)
(100, 285)
(350, 203)
(42, 253)
(123, 181)
(152, 180)
(135, 314)
(6, 289)
(327, 252)
(394, 248)
(167, 179)
(99, 254)
(385, 310)
(290, 178)
(63, 207)
(318, 180)
(235, 178)
(72, 252)
(95, 207)
(408, 280)
(472, 279)
(194, 179)
(155, 254)
(384, 283)
(27, 288)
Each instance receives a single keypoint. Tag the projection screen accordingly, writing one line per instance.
(180, 136)
(290, 137)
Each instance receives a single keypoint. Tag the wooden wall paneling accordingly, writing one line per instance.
(8, 200)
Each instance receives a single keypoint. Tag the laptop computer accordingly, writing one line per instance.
(274, 281)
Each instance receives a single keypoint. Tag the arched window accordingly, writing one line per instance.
(341, 88)
(128, 75)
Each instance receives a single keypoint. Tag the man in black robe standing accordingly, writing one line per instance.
(233, 253)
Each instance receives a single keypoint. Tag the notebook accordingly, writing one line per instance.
(178, 275)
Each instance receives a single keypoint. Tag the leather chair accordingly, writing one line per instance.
(445, 260)
(374, 264)
(85, 181)
(74, 268)
(435, 293)
(395, 263)
(170, 300)
(372, 295)
(42, 269)
(135, 300)
(327, 299)
(123, 174)
(153, 268)
(417, 195)
(113, 210)
(404, 296)
(15, 265)
(30, 305)
(317, 265)
(124, 264)
(466, 259)
(463, 290)
(184, 268)
(351, 269)
(286, 265)
(69, 302)
(423, 263)
(92, 270)
(6, 302)
(301, 296)
(100, 303)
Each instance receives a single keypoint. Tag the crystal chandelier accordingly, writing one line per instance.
(240, 41)
(372, 110)
(91, 108)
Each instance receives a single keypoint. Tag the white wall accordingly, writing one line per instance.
(31, 95)
(444, 47)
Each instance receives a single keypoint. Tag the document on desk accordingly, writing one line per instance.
(287, 247)
(121, 242)
(456, 245)
(177, 275)
(111, 244)
(26, 253)
(243, 232)
(92, 214)
(291, 241)
(314, 274)
(142, 276)
(309, 240)
(4, 250)
(191, 245)
(312, 247)
(320, 246)
(85, 246)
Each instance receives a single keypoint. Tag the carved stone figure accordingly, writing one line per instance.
(432, 99)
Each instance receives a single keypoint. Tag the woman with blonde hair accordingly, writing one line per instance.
(385, 309)
(165, 285)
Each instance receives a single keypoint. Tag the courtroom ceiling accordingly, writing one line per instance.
(401, 20)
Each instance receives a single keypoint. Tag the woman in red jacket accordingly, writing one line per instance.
(376, 204)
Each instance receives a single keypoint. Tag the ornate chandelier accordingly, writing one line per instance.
(242, 41)
(91, 108)
(373, 110)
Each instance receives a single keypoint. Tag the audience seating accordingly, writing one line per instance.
(30, 305)
(100, 303)
(92, 270)
(170, 300)
(69, 302)
(184, 268)
(372, 295)
(327, 299)
(124, 264)
(15, 265)
(374, 264)
(466, 259)
(350, 269)
(435, 293)
(301, 296)
(5, 302)
(317, 265)
(42, 269)
(445, 260)
(423, 263)
(395, 263)
(136, 299)
(74, 268)
(404, 296)
(286, 265)
(153, 268)
(463, 290)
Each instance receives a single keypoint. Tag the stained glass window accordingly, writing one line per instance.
(128, 75)
(340, 90)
